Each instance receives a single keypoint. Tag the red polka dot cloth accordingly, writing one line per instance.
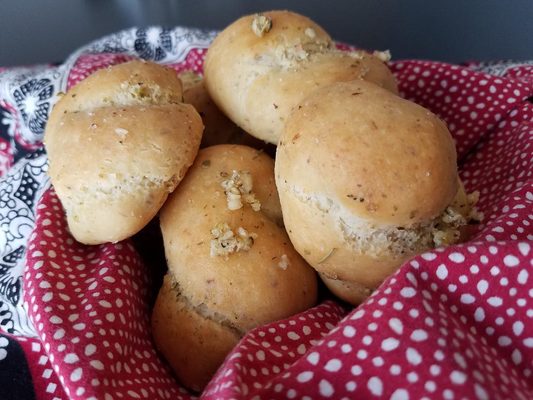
(452, 323)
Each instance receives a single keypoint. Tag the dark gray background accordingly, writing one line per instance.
(36, 31)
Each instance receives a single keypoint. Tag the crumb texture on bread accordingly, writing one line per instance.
(374, 239)
(366, 180)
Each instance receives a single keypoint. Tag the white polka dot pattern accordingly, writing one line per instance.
(89, 306)
(470, 102)
(268, 352)
(451, 323)
(45, 381)
(433, 342)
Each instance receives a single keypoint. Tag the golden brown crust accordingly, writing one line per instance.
(219, 282)
(253, 275)
(118, 143)
(257, 80)
(130, 83)
(363, 175)
(193, 345)
(218, 128)
(398, 159)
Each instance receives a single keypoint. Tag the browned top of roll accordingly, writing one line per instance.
(257, 75)
(383, 159)
(263, 281)
(118, 142)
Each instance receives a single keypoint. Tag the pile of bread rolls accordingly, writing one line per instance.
(362, 179)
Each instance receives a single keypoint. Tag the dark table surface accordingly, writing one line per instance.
(37, 31)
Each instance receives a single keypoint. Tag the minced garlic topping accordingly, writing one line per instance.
(225, 242)
(446, 227)
(310, 32)
(289, 56)
(238, 188)
(261, 24)
(121, 132)
(284, 262)
(384, 56)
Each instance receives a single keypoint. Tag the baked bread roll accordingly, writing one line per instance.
(231, 264)
(118, 143)
(260, 67)
(219, 129)
(366, 179)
